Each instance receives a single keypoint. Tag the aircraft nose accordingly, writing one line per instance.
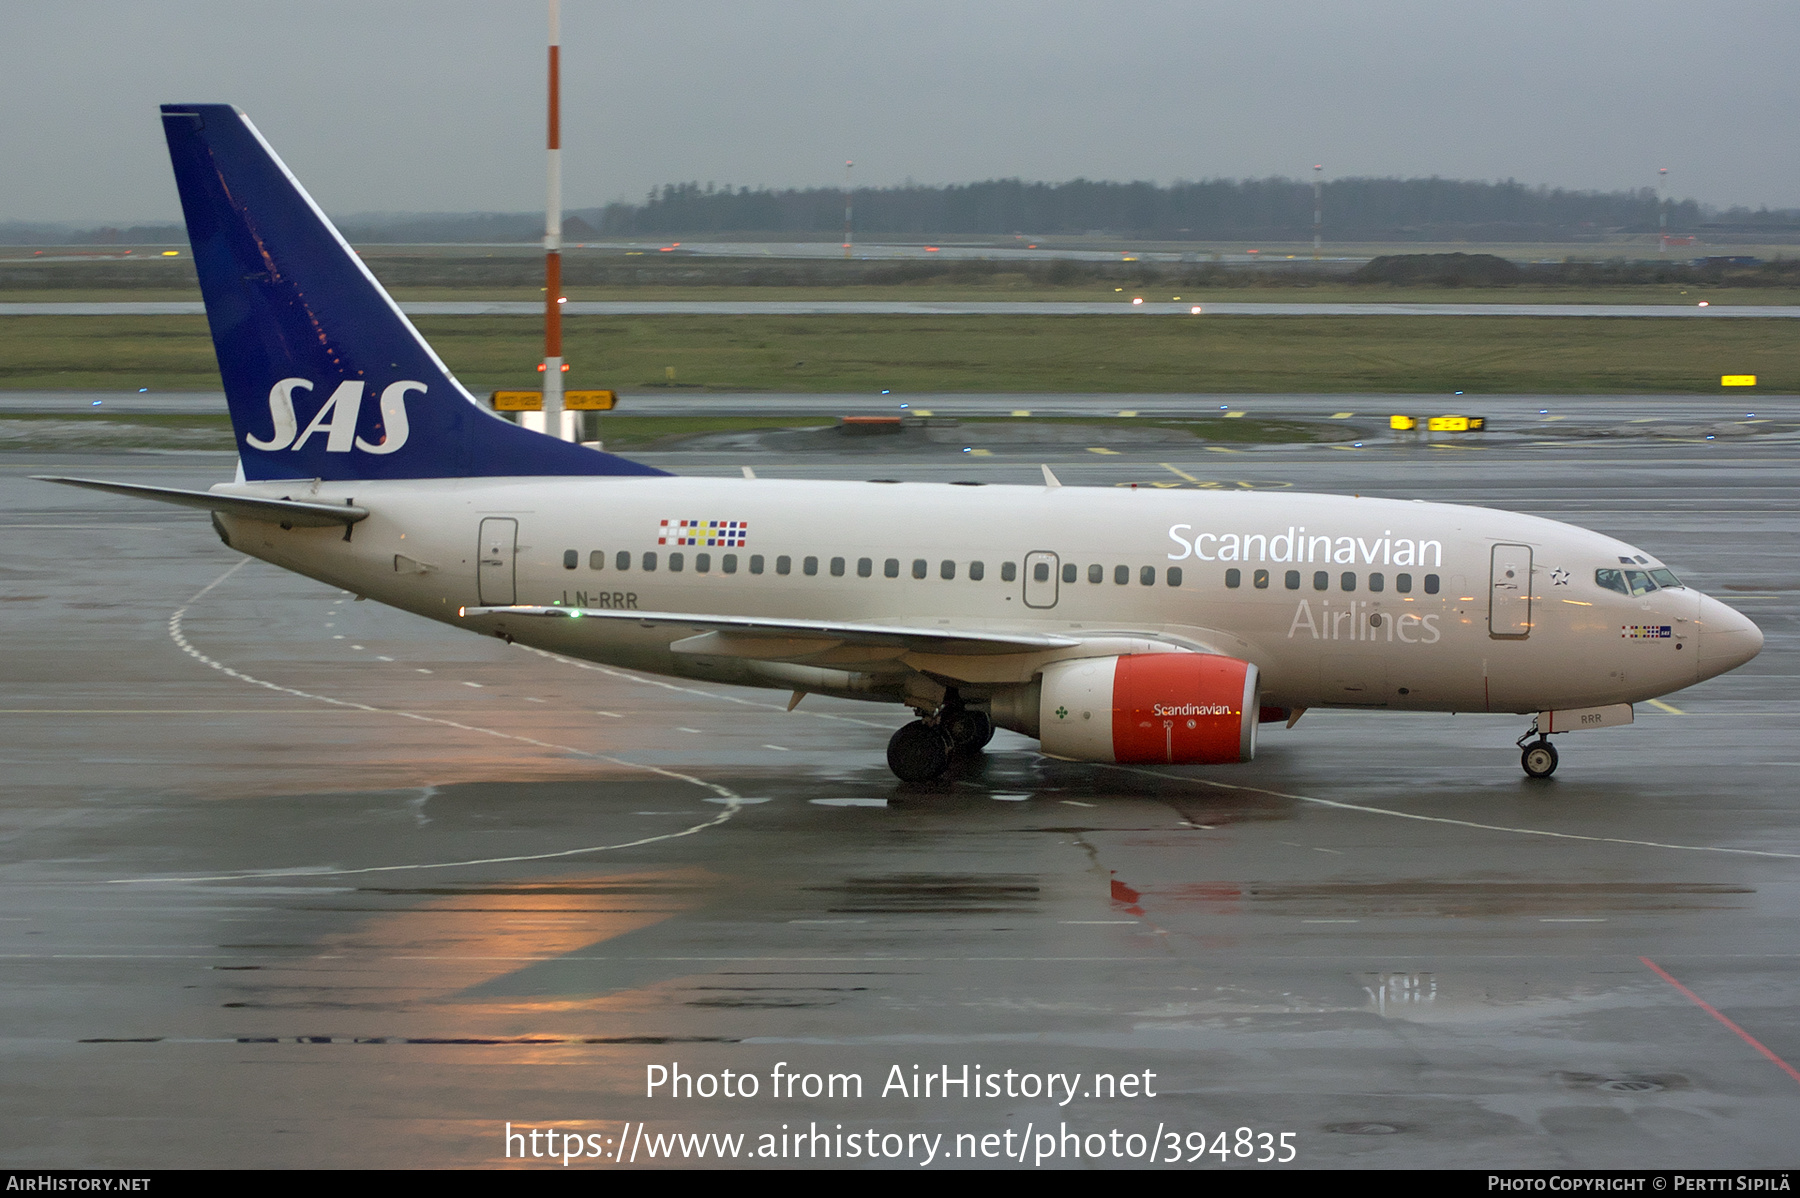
(1728, 638)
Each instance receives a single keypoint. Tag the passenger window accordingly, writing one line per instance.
(649, 561)
(1347, 581)
(756, 563)
(1292, 581)
(1260, 580)
(623, 560)
(1403, 583)
(1096, 573)
(1121, 575)
(1174, 574)
(977, 571)
(1321, 580)
(1040, 571)
(947, 570)
(865, 567)
(891, 567)
(1069, 571)
(837, 567)
(675, 562)
(1232, 578)
(784, 564)
(597, 560)
(1431, 584)
(920, 566)
(571, 559)
(1377, 582)
(1009, 571)
(809, 566)
(729, 563)
(1147, 576)
(702, 562)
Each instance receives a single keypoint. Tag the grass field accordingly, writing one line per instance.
(991, 353)
(1008, 288)
(623, 432)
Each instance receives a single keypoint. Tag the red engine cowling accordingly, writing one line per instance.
(1182, 708)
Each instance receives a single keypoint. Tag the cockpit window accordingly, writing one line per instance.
(1634, 582)
(1612, 580)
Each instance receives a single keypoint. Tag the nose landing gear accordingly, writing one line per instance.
(1539, 757)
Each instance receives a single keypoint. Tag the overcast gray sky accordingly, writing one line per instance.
(404, 105)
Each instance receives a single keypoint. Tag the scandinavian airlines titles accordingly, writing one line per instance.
(1296, 546)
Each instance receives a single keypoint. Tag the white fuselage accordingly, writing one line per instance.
(1339, 601)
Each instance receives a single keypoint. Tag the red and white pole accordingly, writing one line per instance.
(556, 423)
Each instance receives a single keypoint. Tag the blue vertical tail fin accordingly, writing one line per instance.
(324, 375)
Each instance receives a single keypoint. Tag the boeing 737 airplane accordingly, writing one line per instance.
(1112, 625)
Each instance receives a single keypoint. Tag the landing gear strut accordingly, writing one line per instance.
(924, 748)
(1539, 757)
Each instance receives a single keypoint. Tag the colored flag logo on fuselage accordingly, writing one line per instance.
(720, 534)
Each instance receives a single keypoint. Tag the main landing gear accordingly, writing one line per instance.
(1539, 757)
(924, 749)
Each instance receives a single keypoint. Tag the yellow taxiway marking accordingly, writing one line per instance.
(1097, 449)
(1022, 412)
(1441, 445)
(922, 411)
(1548, 419)
(1128, 411)
(1668, 707)
(1178, 473)
(982, 453)
(1342, 415)
(1232, 415)
(1351, 448)
(1221, 449)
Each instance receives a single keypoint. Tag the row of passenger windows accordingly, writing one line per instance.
(865, 567)
(728, 564)
(1321, 581)
(1009, 571)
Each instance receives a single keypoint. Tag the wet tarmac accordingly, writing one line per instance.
(295, 880)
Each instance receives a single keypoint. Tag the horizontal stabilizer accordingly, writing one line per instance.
(294, 513)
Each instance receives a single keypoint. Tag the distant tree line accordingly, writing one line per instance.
(1213, 210)
(1275, 209)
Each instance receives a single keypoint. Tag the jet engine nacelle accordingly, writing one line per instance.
(1179, 708)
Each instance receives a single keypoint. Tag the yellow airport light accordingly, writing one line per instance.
(1402, 423)
(575, 401)
(1448, 424)
(1737, 380)
(171, 253)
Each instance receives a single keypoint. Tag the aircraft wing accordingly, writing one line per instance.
(771, 639)
(293, 513)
